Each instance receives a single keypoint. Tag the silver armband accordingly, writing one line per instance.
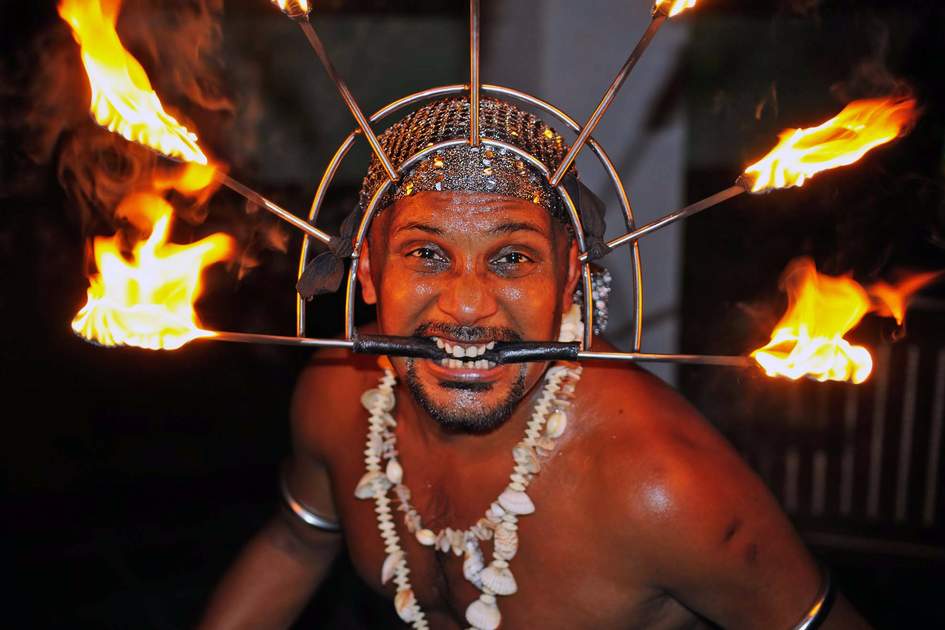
(303, 513)
(821, 608)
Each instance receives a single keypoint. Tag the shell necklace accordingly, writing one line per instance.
(546, 425)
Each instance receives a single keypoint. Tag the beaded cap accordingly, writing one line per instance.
(465, 168)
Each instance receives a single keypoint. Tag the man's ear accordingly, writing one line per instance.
(574, 274)
(365, 279)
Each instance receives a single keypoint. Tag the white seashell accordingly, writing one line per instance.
(557, 423)
(442, 542)
(472, 565)
(545, 443)
(375, 443)
(375, 397)
(495, 512)
(403, 493)
(483, 614)
(372, 483)
(456, 542)
(395, 472)
(498, 580)
(404, 604)
(480, 532)
(506, 541)
(516, 502)
(391, 563)
(426, 537)
(525, 456)
(412, 521)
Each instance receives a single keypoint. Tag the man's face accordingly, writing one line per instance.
(468, 269)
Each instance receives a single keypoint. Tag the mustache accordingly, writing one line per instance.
(466, 334)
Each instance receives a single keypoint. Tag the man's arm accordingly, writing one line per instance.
(273, 578)
(276, 573)
(706, 530)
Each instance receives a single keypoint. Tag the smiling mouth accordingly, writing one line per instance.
(463, 356)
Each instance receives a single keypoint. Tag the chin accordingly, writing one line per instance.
(466, 400)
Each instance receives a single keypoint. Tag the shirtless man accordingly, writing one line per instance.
(644, 516)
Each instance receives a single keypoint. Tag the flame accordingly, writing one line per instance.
(891, 300)
(809, 341)
(672, 8)
(294, 8)
(147, 300)
(859, 128)
(122, 98)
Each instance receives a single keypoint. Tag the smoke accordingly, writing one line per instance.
(50, 130)
(803, 8)
(871, 76)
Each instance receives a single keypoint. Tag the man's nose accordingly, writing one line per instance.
(467, 298)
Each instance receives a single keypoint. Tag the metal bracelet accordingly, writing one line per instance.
(821, 608)
(304, 514)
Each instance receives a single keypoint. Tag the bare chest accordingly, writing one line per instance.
(566, 572)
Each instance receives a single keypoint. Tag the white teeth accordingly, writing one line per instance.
(448, 347)
(481, 364)
(454, 364)
(439, 342)
(490, 345)
(459, 351)
(473, 351)
(491, 365)
(443, 362)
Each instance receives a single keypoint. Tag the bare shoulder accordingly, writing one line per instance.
(695, 519)
(326, 399)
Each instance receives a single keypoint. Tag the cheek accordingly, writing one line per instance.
(531, 306)
(403, 299)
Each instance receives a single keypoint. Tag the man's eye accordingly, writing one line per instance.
(425, 253)
(513, 258)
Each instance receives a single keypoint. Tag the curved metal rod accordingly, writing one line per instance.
(578, 225)
(588, 292)
(329, 175)
(636, 262)
(369, 213)
(410, 99)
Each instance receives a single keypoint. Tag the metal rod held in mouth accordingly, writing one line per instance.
(280, 212)
(678, 215)
(503, 353)
(658, 19)
(475, 84)
(315, 41)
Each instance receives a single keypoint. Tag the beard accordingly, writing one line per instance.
(468, 415)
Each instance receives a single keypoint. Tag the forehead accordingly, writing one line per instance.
(465, 212)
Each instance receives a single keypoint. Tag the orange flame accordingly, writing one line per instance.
(294, 8)
(858, 129)
(672, 8)
(809, 339)
(890, 300)
(147, 300)
(122, 98)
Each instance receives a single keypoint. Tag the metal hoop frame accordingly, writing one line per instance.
(370, 211)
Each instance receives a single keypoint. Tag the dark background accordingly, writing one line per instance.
(132, 478)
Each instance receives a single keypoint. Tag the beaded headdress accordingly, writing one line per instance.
(470, 168)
